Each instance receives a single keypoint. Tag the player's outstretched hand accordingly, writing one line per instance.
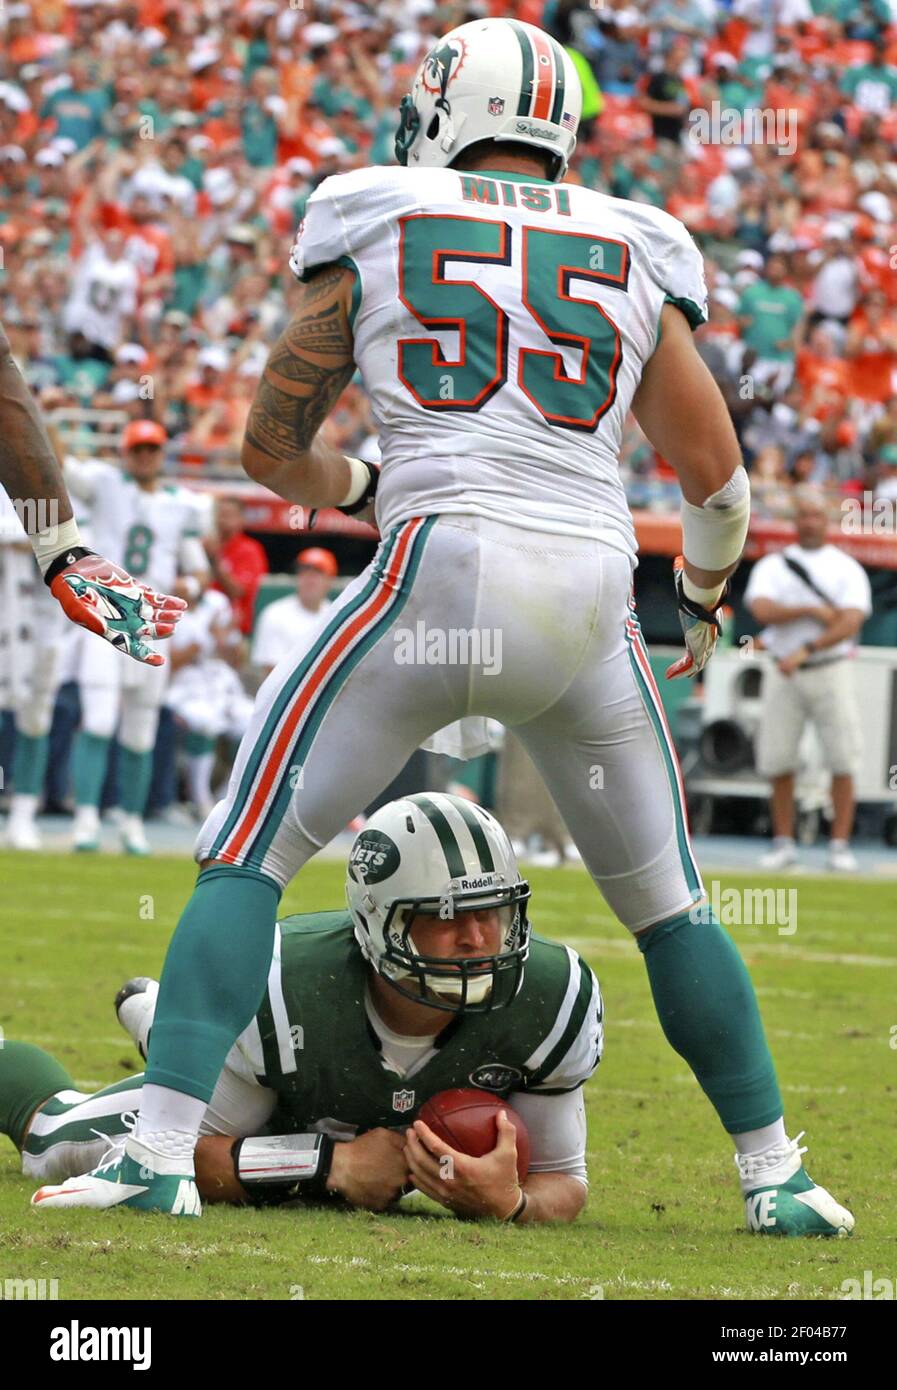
(369, 1171)
(476, 1187)
(700, 626)
(109, 602)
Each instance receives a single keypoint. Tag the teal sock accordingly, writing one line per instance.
(214, 978)
(135, 772)
(28, 1077)
(89, 762)
(708, 1011)
(30, 763)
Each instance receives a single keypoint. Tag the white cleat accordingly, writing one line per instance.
(86, 830)
(841, 858)
(133, 836)
(782, 855)
(22, 831)
(781, 1199)
(133, 1174)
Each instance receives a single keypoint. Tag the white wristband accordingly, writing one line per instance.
(54, 541)
(714, 534)
(361, 478)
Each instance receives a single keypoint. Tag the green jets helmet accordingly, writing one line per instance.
(491, 79)
(438, 855)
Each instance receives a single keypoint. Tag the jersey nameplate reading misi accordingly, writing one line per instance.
(512, 195)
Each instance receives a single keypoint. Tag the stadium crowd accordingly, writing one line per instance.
(156, 156)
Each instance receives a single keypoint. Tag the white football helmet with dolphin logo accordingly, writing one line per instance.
(491, 79)
(437, 854)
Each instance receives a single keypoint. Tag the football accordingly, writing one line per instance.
(468, 1120)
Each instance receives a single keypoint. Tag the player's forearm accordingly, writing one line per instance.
(552, 1197)
(215, 1176)
(682, 412)
(319, 476)
(29, 469)
(308, 368)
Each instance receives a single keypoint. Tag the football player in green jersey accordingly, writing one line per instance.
(432, 980)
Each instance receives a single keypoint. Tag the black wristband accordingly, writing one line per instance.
(281, 1168)
(369, 492)
(62, 562)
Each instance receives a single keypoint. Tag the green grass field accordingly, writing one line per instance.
(664, 1218)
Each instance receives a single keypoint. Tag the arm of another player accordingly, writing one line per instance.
(92, 592)
(369, 1171)
(682, 412)
(308, 368)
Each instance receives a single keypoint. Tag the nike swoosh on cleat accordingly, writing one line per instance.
(48, 1192)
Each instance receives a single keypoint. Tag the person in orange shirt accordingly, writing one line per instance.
(819, 367)
(872, 348)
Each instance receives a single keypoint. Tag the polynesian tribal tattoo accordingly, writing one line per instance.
(308, 367)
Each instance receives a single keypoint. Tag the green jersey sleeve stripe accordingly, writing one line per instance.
(692, 311)
(279, 1016)
(576, 1065)
(559, 1026)
(571, 1032)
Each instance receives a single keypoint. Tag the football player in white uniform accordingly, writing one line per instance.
(504, 323)
(36, 516)
(93, 593)
(152, 528)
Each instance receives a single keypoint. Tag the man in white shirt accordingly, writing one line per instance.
(283, 623)
(812, 600)
(104, 292)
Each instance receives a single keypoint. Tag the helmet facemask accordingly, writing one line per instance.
(458, 984)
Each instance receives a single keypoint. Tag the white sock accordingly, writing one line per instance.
(838, 844)
(163, 1110)
(23, 807)
(780, 841)
(199, 777)
(757, 1141)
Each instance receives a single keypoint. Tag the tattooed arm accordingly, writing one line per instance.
(308, 368)
(29, 469)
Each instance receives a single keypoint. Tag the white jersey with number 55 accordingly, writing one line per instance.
(501, 326)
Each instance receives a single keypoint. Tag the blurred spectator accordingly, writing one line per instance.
(771, 315)
(283, 623)
(236, 560)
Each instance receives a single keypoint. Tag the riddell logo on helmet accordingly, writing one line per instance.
(538, 132)
(465, 885)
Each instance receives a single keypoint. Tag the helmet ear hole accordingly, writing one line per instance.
(433, 128)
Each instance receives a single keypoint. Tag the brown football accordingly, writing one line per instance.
(467, 1119)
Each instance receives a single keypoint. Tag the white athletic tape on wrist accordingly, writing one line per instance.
(54, 541)
(360, 481)
(714, 534)
(707, 598)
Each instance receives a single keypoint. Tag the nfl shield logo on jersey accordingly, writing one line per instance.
(496, 106)
(402, 1101)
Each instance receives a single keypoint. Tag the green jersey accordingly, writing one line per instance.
(774, 312)
(313, 1044)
